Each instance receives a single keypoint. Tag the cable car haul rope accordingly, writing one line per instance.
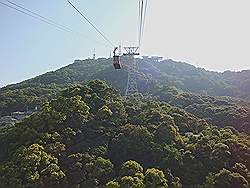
(142, 18)
(116, 56)
(133, 50)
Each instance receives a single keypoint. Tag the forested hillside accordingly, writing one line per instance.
(91, 136)
(189, 78)
(193, 89)
(220, 111)
(167, 72)
(34, 92)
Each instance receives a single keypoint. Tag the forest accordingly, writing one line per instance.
(91, 136)
(183, 76)
(130, 120)
(223, 97)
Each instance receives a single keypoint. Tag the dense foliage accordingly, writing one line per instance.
(189, 78)
(220, 111)
(34, 92)
(90, 136)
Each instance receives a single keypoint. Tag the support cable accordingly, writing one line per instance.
(36, 14)
(142, 18)
(104, 37)
(43, 19)
(139, 20)
(28, 14)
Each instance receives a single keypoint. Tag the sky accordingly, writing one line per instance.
(212, 34)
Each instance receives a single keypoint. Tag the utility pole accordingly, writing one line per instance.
(132, 88)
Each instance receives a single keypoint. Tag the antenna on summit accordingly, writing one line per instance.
(120, 49)
(94, 55)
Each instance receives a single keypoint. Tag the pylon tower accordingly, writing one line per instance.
(132, 89)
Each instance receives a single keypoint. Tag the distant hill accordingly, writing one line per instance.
(181, 75)
(156, 77)
(190, 78)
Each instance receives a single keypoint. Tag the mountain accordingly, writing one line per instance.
(89, 136)
(181, 75)
(177, 83)
(168, 72)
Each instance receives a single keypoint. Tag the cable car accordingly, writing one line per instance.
(116, 60)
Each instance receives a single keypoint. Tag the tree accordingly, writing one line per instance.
(133, 142)
(225, 178)
(220, 156)
(130, 168)
(112, 184)
(131, 182)
(242, 170)
(167, 133)
(88, 169)
(33, 167)
(155, 178)
(104, 113)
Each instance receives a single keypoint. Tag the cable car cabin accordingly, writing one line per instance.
(117, 62)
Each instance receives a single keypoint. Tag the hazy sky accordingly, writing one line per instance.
(213, 34)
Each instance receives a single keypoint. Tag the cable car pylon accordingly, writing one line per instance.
(130, 52)
(132, 89)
